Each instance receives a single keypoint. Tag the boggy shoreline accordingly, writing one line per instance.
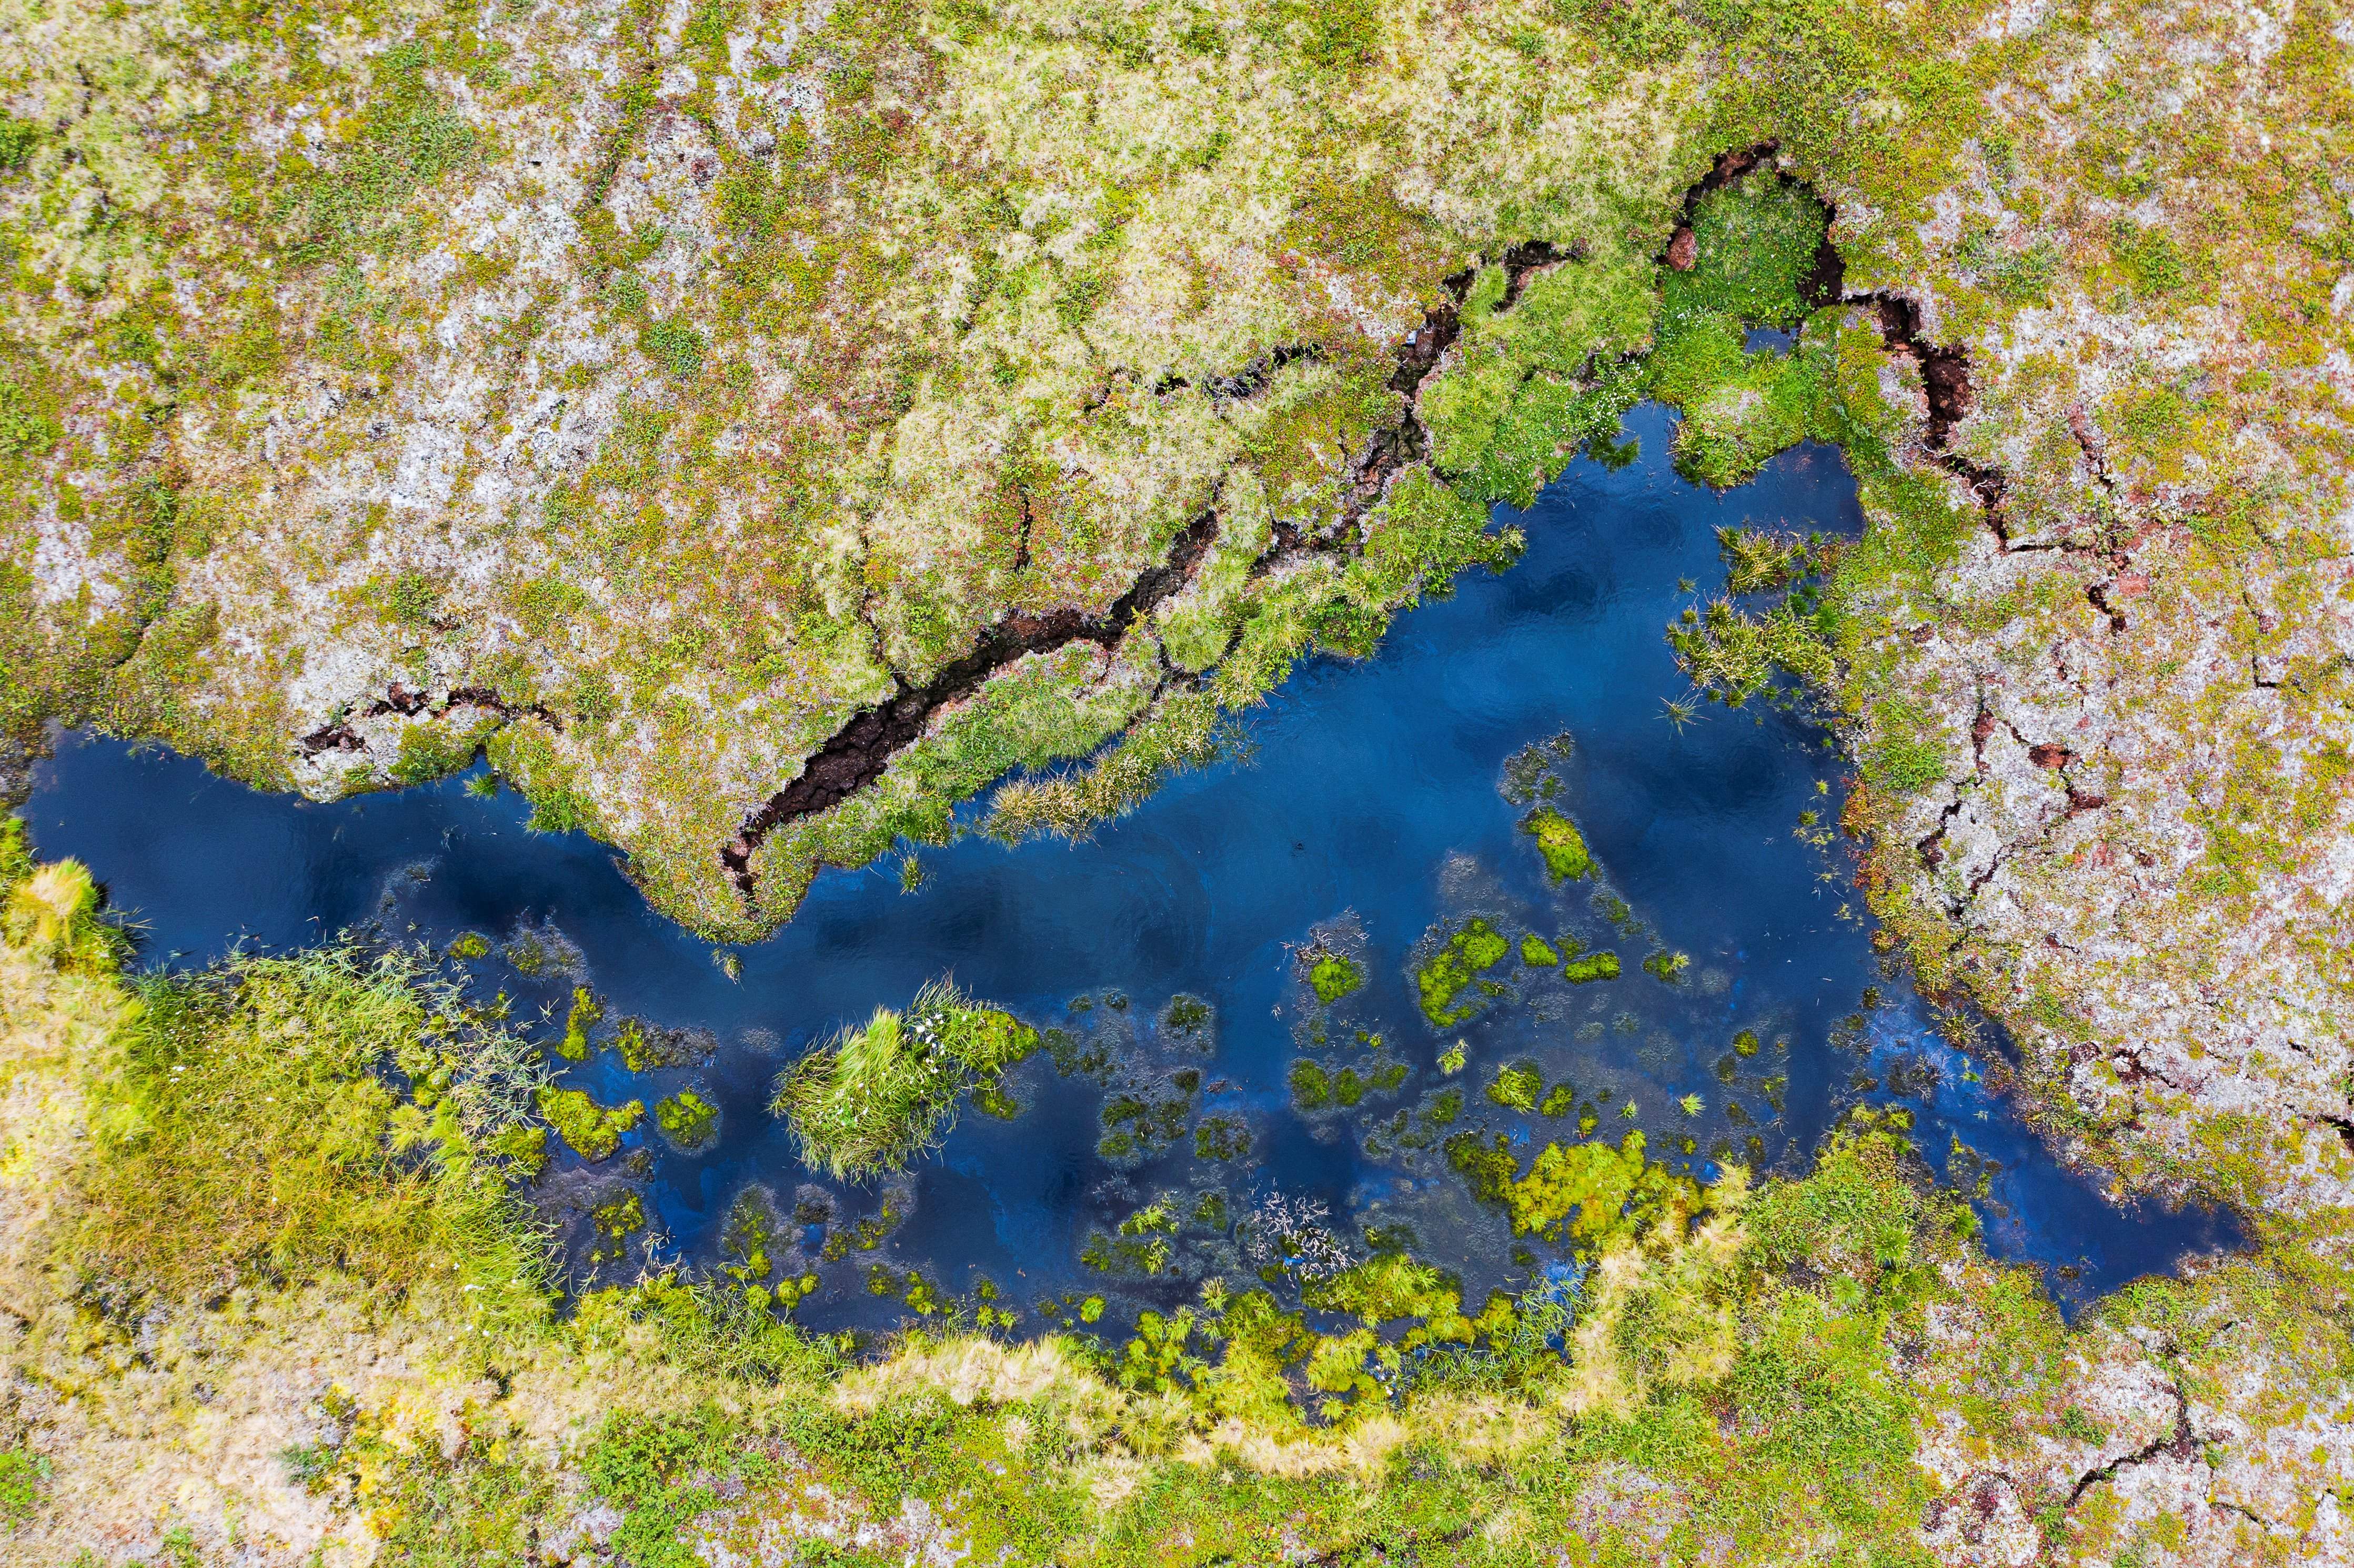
(859, 753)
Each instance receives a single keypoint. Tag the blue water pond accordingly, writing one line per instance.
(1374, 808)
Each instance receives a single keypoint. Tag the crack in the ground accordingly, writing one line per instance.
(1978, 881)
(1945, 378)
(338, 734)
(2090, 442)
(2097, 596)
(2180, 1445)
(858, 753)
(1248, 382)
(2132, 1069)
(1931, 849)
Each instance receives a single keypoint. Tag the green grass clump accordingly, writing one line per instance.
(676, 346)
(1334, 977)
(1754, 244)
(1538, 953)
(1759, 560)
(430, 751)
(1594, 1194)
(687, 1119)
(1516, 1086)
(1733, 654)
(1558, 1100)
(257, 1101)
(1563, 847)
(593, 1131)
(1591, 966)
(523, 1145)
(21, 1474)
(880, 1095)
(407, 138)
(1478, 948)
(52, 910)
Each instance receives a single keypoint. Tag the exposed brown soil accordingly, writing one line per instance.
(859, 752)
(399, 699)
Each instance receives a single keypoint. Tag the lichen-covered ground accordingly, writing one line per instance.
(761, 428)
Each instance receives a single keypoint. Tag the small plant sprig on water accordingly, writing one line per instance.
(878, 1096)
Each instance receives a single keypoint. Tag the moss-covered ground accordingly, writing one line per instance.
(340, 1346)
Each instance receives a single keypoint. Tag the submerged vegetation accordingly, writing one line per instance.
(1825, 1358)
(877, 1096)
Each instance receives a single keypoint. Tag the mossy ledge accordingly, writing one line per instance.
(857, 754)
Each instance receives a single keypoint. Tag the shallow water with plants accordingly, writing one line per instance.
(1498, 887)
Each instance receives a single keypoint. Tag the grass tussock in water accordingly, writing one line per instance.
(879, 1095)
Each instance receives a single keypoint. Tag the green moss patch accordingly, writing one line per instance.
(1667, 966)
(584, 1014)
(593, 1131)
(688, 1120)
(1334, 976)
(1563, 847)
(1591, 966)
(1468, 953)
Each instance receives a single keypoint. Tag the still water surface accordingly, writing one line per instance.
(1377, 803)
